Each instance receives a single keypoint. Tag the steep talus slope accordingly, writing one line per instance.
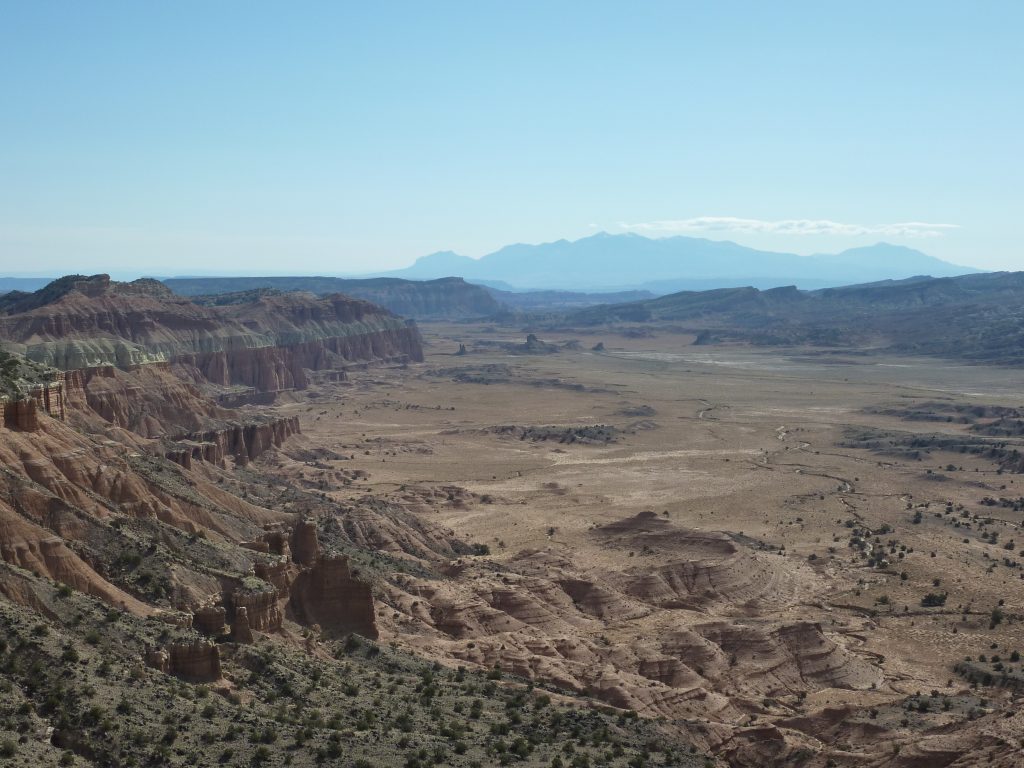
(99, 509)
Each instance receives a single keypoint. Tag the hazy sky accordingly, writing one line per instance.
(178, 137)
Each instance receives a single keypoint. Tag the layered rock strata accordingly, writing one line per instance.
(266, 344)
(241, 441)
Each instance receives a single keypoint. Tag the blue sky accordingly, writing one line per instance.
(174, 138)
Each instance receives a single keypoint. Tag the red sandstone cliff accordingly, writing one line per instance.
(63, 494)
(262, 609)
(267, 344)
(328, 595)
(87, 494)
(243, 441)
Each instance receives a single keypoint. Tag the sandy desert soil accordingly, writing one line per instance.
(683, 531)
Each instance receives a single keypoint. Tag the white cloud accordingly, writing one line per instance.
(790, 227)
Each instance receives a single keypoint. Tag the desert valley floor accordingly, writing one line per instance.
(614, 548)
(726, 537)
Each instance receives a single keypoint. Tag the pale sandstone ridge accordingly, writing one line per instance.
(147, 361)
(448, 298)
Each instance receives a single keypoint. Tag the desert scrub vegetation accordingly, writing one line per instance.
(999, 670)
(75, 692)
(18, 375)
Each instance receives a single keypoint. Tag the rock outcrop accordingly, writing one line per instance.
(241, 441)
(266, 344)
(22, 415)
(327, 594)
(23, 402)
(241, 632)
(262, 608)
(317, 588)
(150, 400)
(197, 661)
(279, 573)
(305, 543)
(211, 620)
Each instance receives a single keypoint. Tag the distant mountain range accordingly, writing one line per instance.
(665, 265)
(566, 275)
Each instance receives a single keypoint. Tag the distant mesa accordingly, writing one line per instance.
(446, 298)
(911, 316)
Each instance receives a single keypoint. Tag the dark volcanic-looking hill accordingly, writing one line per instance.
(629, 261)
(975, 317)
(446, 298)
